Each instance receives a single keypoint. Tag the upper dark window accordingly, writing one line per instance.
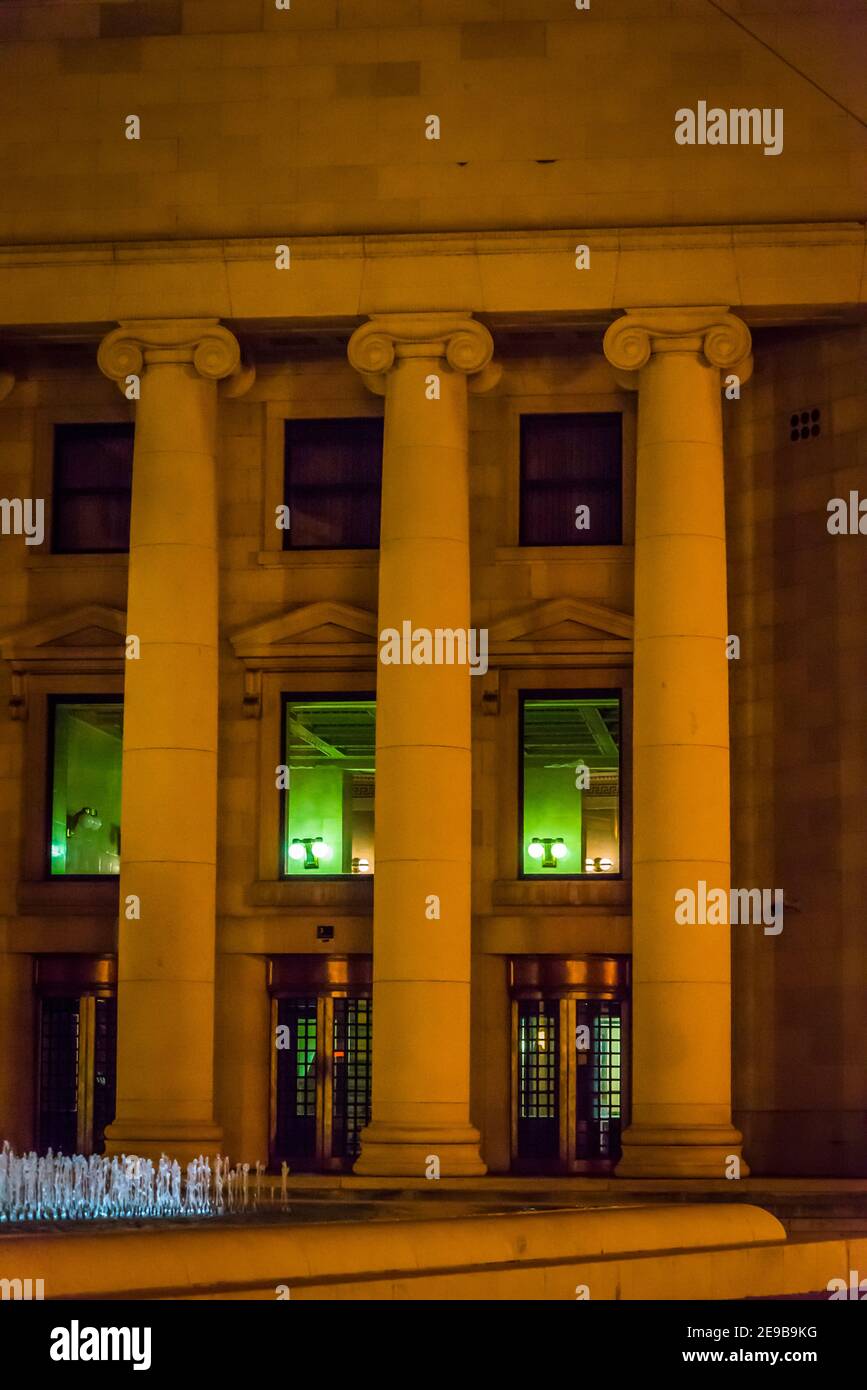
(332, 484)
(571, 480)
(92, 487)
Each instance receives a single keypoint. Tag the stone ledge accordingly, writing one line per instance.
(351, 895)
(548, 1252)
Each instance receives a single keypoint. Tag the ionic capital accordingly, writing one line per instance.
(465, 343)
(205, 344)
(721, 338)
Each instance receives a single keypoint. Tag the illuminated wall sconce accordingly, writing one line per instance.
(310, 850)
(87, 818)
(361, 865)
(547, 848)
(600, 865)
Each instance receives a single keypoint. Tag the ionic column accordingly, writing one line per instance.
(421, 917)
(681, 1111)
(165, 1070)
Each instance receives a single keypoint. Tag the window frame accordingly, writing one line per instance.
(334, 697)
(570, 403)
(328, 419)
(115, 411)
(53, 700)
(524, 485)
(349, 898)
(568, 694)
(353, 402)
(602, 902)
(41, 893)
(84, 425)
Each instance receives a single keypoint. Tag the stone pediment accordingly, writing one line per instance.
(322, 625)
(67, 636)
(317, 636)
(81, 641)
(562, 626)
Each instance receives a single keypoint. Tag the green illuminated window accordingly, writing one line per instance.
(87, 738)
(330, 762)
(570, 785)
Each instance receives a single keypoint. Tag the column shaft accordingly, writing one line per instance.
(421, 965)
(165, 1071)
(681, 1112)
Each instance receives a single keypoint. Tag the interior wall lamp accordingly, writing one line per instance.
(87, 818)
(600, 865)
(547, 848)
(311, 850)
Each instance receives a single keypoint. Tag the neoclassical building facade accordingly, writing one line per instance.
(396, 625)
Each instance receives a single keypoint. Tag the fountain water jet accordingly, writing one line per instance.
(72, 1187)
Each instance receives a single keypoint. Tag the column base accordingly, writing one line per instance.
(406, 1151)
(148, 1140)
(681, 1151)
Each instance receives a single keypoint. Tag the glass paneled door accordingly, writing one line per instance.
(569, 1054)
(321, 1068)
(76, 1073)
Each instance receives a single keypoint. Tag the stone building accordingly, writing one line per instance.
(417, 573)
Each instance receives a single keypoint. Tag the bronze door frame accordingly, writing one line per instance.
(564, 983)
(85, 978)
(323, 978)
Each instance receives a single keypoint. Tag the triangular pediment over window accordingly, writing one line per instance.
(80, 641)
(311, 636)
(325, 626)
(568, 627)
(78, 632)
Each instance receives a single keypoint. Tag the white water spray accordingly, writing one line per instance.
(61, 1187)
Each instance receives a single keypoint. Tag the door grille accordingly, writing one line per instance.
(58, 1075)
(104, 1069)
(353, 1034)
(296, 1080)
(538, 1078)
(599, 1082)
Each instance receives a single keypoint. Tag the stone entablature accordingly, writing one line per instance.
(771, 274)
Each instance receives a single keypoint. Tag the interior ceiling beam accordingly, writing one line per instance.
(306, 736)
(600, 731)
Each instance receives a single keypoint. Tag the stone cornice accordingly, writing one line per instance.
(769, 274)
(787, 234)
